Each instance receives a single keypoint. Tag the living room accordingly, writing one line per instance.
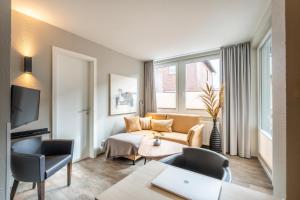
(105, 93)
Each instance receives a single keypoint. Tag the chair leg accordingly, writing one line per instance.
(41, 190)
(69, 169)
(33, 185)
(14, 189)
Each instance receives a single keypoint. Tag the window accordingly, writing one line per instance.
(165, 85)
(197, 74)
(179, 83)
(265, 60)
(172, 70)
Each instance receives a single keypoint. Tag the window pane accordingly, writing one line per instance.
(165, 84)
(266, 87)
(197, 75)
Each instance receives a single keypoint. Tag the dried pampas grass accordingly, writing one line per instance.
(212, 103)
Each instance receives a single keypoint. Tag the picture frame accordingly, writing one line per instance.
(123, 94)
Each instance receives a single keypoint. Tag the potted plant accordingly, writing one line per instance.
(213, 106)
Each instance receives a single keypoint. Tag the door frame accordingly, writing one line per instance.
(56, 51)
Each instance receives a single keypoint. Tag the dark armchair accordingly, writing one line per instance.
(202, 161)
(34, 160)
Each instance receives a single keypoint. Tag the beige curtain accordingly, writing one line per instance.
(149, 90)
(236, 77)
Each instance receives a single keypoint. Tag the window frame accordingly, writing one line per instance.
(259, 68)
(180, 63)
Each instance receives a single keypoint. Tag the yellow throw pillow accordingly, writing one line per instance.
(162, 125)
(145, 123)
(132, 124)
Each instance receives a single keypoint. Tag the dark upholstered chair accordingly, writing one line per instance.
(202, 161)
(34, 160)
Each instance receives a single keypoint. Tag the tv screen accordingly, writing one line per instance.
(24, 105)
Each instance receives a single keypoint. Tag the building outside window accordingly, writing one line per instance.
(165, 85)
(197, 74)
(179, 83)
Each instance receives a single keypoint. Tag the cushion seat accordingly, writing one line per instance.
(56, 162)
(175, 137)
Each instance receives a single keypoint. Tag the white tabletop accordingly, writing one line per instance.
(138, 186)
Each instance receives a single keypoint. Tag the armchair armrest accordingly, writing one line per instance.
(176, 159)
(195, 136)
(57, 147)
(227, 175)
(28, 167)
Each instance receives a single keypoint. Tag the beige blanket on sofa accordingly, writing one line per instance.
(123, 144)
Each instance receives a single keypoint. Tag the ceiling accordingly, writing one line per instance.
(152, 29)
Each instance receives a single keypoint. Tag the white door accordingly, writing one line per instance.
(72, 101)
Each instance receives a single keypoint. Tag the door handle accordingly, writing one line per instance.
(84, 110)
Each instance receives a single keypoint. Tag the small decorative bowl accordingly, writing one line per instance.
(156, 142)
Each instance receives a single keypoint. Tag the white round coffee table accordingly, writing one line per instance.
(166, 148)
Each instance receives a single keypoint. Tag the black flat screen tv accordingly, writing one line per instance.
(25, 103)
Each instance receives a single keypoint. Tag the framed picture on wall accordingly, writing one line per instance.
(123, 94)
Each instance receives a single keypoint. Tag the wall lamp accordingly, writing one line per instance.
(27, 64)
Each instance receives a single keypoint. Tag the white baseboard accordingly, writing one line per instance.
(266, 168)
(99, 151)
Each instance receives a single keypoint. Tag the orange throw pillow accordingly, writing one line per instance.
(132, 124)
(162, 125)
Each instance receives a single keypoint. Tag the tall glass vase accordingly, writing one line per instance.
(215, 139)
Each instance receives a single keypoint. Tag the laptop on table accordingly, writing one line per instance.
(188, 184)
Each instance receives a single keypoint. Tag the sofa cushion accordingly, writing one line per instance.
(158, 116)
(132, 124)
(182, 123)
(145, 123)
(161, 125)
(55, 163)
(175, 137)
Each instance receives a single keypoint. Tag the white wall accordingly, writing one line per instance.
(279, 100)
(265, 149)
(35, 38)
(4, 95)
(262, 143)
(286, 42)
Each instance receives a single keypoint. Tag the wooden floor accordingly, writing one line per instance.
(92, 176)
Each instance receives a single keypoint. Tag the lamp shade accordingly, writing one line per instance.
(27, 64)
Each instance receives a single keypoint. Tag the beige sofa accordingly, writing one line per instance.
(186, 129)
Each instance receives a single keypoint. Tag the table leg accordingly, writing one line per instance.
(145, 161)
